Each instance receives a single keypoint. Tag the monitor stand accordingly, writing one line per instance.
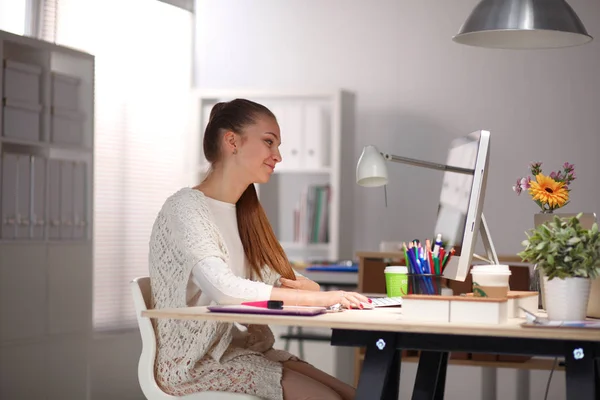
(488, 245)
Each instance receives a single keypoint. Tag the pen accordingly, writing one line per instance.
(448, 256)
(271, 304)
(406, 259)
(437, 244)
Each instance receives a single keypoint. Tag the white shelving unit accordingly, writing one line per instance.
(46, 140)
(46, 252)
(317, 129)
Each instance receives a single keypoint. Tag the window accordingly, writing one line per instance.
(143, 80)
(13, 16)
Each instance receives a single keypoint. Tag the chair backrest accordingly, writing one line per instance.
(140, 288)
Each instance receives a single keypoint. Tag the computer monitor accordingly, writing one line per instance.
(460, 218)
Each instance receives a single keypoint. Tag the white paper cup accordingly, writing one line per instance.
(490, 280)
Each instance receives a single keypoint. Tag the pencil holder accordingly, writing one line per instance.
(425, 284)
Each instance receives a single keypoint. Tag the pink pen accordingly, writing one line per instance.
(272, 304)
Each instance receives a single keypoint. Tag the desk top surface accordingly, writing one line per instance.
(382, 319)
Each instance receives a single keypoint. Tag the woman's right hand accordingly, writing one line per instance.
(346, 299)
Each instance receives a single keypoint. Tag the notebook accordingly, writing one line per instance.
(287, 310)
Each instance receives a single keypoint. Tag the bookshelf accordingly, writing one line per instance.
(313, 186)
(46, 230)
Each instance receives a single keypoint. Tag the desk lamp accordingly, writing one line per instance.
(372, 172)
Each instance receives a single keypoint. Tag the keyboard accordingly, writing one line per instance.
(386, 301)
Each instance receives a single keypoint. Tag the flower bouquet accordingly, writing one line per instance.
(549, 192)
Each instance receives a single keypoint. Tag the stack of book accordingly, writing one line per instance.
(311, 215)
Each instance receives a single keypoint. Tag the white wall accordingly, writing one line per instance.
(416, 90)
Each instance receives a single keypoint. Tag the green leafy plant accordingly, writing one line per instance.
(561, 248)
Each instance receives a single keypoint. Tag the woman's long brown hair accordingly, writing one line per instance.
(258, 239)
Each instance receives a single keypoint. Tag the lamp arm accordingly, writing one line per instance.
(427, 164)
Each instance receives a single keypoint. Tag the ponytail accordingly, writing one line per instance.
(258, 239)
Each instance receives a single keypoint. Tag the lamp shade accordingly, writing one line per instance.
(371, 170)
(523, 24)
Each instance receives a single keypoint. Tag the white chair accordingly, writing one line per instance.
(141, 299)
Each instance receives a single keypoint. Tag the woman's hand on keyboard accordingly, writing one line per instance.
(346, 299)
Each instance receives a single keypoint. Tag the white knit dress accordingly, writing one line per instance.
(196, 356)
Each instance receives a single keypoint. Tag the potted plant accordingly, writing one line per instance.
(568, 257)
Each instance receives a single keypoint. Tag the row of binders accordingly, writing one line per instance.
(311, 215)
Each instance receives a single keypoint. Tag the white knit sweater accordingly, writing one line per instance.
(184, 234)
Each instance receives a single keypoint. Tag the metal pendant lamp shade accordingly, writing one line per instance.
(523, 24)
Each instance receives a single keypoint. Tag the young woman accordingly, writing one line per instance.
(213, 244)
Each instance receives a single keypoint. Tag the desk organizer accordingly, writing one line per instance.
(527, 300)
(460, 309)
(516, 299)
(422, 307)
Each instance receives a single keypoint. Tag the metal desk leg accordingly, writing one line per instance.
(380, 374)
(580, 371)
(431, 376)
(290, 331)
(392, 383)
(598, 374)
(489, 383)
(300, 339)
(523, 384)
(300, 343)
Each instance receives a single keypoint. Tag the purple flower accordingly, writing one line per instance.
(526, 182)
(517, 187)
(535, 168)
(568, 167)
(554, 175)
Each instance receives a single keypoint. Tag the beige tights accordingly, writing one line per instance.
(302, 381)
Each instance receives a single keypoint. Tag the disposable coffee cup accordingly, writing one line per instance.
(396, 280)
(490, 280)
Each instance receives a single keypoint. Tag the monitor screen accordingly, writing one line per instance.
(461, 201)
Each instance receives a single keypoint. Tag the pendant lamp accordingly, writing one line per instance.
(523, 24)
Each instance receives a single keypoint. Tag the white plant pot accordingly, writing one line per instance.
(566, 299)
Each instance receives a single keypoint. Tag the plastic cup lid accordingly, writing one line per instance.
(491, 269)
(396, 269)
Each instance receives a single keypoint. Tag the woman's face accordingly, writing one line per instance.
(258, 151)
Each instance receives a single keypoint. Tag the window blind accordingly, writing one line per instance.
(143, 69)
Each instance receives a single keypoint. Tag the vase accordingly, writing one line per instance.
(566, 299)
(587, 220)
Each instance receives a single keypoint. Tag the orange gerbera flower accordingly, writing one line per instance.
(548, 191)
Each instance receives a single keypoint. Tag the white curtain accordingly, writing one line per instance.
(143, 51)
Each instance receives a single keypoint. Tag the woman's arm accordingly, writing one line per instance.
(299, 297)
(301, 282)
(214, 277)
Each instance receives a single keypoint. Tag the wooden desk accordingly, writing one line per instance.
(371, 280)
(384, 333)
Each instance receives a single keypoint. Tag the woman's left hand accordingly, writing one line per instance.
(301, 283)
